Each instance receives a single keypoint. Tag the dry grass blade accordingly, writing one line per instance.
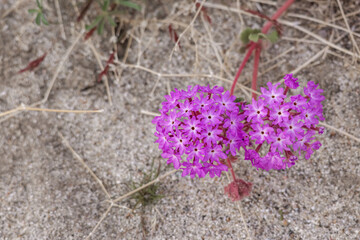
(77, 156)
(60, 65)
(287, 23)
(186, 29)
(58, 10)
(26, 108)
(145, 186)
(323, 23)
(149, 113)
(292, 48)
(348, 28)
(340, 131)
(100, 221)
(11, 9)
(293, 25)
(97, 56)
(185, 75)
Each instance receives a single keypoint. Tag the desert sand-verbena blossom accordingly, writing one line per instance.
(287, 125)
(199, 128)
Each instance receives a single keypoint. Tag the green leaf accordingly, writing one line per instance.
(38, 19)
(244, 36)
(94, 23)
(111, 21)
(239, 99)
(100, 28)
(254, 37)
(43, 19)
(273, 36)
(33, 11)
(129, 4)
(105, 6)
(38, 4)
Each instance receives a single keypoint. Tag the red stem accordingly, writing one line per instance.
(255, 70)
(231, 169)
(265, 29)
(286, 90)
(247, 56)
(278, 13)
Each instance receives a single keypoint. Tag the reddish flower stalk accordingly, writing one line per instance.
(231, 169)
(173, 35)
(33, 64)
(84, 10)
(255, 70)
(278, 13)
(204, 12)
(264, 30)
(106, 69)
(246, 58)
(89, 33)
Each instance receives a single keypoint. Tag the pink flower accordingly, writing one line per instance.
(256, 111)
(273, 95)
(290, 81)
(279, 113)
(261, 133)
(193, 169)
(280, 142)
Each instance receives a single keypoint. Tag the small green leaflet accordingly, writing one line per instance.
(255, 34)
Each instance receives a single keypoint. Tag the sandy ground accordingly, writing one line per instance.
(46, 193)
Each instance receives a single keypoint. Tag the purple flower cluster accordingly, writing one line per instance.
(288, 126)
(198, 128)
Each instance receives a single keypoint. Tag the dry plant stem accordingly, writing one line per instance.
(272, 67)
(292, 48)
(11, 9)
(255, 69)
(187, 28)
(340, 131)
(212, 43)
(58, 11)
(347, 15)
(313, 58)
(168, 75)
(64, 58)
(323, 23)
(62, 110)
(348, 28)
(25, 108)
(145, 186)
(300, 40)
(290, 24)
(149, 113)
(97, 56)
(240, 16)
(305, 64)
(100, 221)
(77, 156)
(324, 41)
(125, 55)
(265, 2)
(238, 204)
